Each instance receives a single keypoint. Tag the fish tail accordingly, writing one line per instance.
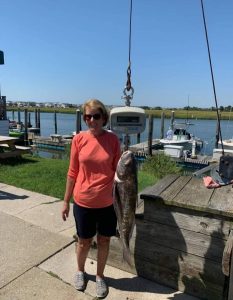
(127, 256)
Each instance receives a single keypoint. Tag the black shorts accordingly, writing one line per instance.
(90, 221)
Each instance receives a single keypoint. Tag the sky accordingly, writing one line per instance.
(72, 50)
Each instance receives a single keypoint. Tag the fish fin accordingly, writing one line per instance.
(117, 203)
(118, 210)
(117, 179)
(132, 228)
(127, 256)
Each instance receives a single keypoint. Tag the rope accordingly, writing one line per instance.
(128, 83)
(212, 76)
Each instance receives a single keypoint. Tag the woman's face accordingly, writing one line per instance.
(94, 120)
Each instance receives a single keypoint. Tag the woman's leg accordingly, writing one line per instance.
(83, 247)
(102, 254)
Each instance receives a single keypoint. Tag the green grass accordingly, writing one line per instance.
(46, 176)
(160, 165)
(145, 179)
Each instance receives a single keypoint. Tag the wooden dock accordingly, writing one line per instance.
(144, 146)
(182, 237)
(56, 142)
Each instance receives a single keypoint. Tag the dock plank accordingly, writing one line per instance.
(169, 195)
(188, 196)
(222, 201)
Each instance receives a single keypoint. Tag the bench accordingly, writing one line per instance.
(18, 151)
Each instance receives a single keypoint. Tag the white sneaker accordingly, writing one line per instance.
(101, 288)
(80, 281)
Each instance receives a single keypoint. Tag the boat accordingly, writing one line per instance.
(12, 124)
(227, 144)
(178, 135)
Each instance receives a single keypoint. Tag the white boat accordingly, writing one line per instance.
(227, 144)
(179, 136)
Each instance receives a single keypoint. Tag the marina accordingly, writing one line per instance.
(66, 123)
(50, 141)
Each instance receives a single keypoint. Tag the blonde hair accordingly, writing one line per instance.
(96, 104)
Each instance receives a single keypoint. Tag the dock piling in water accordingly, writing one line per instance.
(162, 126)
(78, 120)
(150, 134)
(55, 122)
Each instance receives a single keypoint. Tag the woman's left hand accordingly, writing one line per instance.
(65, 210)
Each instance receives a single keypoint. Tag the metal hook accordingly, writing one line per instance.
(128, 97)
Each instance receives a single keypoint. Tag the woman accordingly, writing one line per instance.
(93, 160)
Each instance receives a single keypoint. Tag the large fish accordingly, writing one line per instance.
(125, 198)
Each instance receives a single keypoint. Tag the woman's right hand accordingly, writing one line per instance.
(65, 210)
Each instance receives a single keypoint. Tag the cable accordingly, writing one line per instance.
(128, 83)
(212, 76)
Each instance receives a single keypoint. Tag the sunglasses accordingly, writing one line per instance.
(89, 117)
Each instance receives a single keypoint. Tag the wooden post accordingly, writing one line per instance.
(55, 122)
(172, 119)
(26, 127)
(19, 117)
(3, 114)
(217, 133)
(36, 118)
(162, 126)
(150, 134)
(13, 115)
(78, 121)
(29, 120)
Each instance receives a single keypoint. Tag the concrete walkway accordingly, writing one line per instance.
(37, 255)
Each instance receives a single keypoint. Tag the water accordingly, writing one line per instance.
(66, 124)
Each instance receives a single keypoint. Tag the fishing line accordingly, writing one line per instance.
(212, 76)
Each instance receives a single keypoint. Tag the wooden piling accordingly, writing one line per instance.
(150, 134)
(29, 120)
(36, 118)
(162, 126)
(55, 122)
(78, 121)
(38, 112)
(19, 116)
(217, 133)
(26, 127)
(172, 119)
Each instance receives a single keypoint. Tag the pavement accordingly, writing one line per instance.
(38, 261)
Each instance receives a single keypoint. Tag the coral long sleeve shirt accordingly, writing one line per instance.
(93, 162)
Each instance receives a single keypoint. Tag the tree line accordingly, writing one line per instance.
(212, 108)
